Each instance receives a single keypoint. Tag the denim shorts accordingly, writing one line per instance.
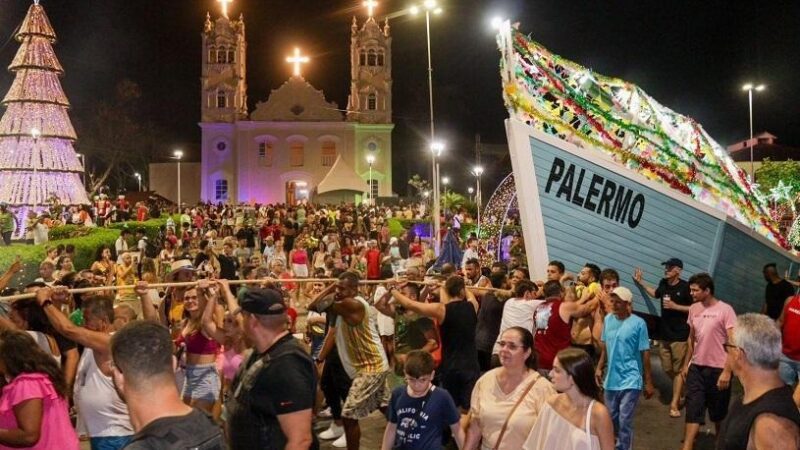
(202, 382)
(789, 370)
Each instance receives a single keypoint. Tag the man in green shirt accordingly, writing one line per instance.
(7, 221)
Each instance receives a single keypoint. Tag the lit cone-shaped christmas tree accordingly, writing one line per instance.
(37, 158)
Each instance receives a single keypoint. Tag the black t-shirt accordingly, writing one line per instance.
(286, 385)
(195, 430)
(775, 295)
(490, 315)
(673, 327)
(228, 265)
(458, 338)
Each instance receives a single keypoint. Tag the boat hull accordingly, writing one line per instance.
(577, 205)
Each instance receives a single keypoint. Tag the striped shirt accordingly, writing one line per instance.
(359, 345)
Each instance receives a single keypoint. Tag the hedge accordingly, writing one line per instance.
(85, 240)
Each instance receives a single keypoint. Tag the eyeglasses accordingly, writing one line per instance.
(511, 345)
(420, 380)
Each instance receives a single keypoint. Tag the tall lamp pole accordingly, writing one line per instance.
(750, 88)
(431, 6)
(178, 154)
(478, 171)
(35, 133)
(370, 161)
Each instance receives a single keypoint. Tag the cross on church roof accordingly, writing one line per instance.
(370, 4)
(297, 60)
(225, 7)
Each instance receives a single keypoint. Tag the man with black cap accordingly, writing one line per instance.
(273, 393)
(673, 330)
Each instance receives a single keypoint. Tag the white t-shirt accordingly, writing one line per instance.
(517, 312)
(385, 323)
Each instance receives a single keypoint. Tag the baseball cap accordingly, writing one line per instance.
(263, 301)
(673, 262)
(623, 293)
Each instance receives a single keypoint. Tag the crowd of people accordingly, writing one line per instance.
(295, 316)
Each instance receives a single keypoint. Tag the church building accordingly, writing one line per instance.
(296, 145)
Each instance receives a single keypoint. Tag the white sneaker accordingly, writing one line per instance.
(334, 431)
(325, 413)
(341, 442)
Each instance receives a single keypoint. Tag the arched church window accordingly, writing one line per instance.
(372, 102)
(266, 151)
(221, 56)
(328, 153)
(380, 57)
(212, 55)
(371, 57)
(362, 58)
(231, 55)
(221, 99)
(296, 156)
(221, 190)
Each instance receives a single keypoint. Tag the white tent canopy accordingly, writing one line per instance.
(341, 177)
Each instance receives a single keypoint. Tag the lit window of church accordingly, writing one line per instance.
(380, 57)
(221, 100)
(362, 58)
(371, 57)
(221, 56)
(221, 190)
(328, 153)
(212, 55)
(372, 102)
(296, 151)
(230, 56)
(265, 154)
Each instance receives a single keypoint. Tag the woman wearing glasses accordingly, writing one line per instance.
(507, 400)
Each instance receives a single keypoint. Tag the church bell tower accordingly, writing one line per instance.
(370, 99)
(223, 85)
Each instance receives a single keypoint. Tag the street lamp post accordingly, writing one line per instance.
(35, 133)
(478, 171)
(436, 151)
(370, 161)
(138, 177)
(749, 88)
(431, 6)
(178, 155)
(445, 182)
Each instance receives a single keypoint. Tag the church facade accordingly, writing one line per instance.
(296, 145)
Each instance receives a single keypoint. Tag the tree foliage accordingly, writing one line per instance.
(116, 140)
(771, 172)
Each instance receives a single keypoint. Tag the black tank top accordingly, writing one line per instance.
(735, 430)
(458, 337)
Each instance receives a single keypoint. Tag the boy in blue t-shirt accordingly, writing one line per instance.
(419, 412)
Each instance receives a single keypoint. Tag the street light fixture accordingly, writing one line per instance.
(138, 177)
(431, 6)
(749, 87)
(370, 161)
(178, 154)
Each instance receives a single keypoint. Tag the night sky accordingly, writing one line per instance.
(692, 56)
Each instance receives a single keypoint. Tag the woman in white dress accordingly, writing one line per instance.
(574, 419)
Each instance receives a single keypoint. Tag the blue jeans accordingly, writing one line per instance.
(110, 442)
(789, 370)
(621, 405)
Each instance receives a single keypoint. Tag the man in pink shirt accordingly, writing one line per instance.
(706, 368)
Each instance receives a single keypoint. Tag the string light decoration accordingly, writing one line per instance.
(494, 215)
(37, 157)
(564, 99)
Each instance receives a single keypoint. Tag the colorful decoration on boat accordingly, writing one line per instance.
(562, 98)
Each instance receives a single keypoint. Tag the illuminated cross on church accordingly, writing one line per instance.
(297, 60)
(225, 7)
(370, 4)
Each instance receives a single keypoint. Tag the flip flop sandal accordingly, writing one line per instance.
(674, 413)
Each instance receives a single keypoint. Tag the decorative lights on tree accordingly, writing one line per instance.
(37, 158)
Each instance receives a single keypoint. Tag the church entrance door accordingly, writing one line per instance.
(296, 191)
